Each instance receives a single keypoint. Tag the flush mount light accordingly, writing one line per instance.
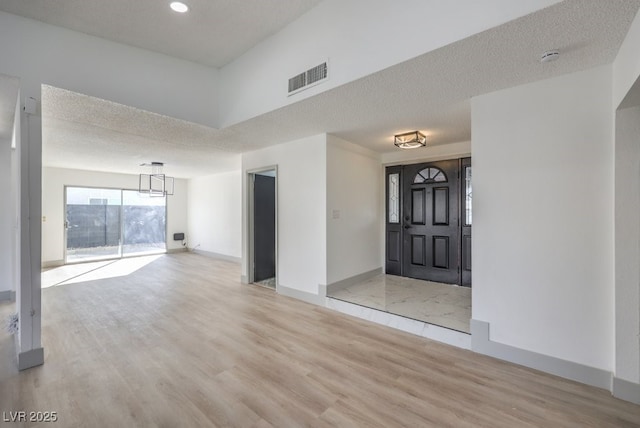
(410, 140)
(179, 7)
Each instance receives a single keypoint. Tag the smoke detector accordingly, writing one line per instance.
(549, 56)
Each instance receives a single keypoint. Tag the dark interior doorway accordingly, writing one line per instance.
(264, 228)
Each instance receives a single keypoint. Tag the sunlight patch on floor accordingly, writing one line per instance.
(82, 272)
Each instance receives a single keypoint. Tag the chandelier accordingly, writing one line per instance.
(155, 183)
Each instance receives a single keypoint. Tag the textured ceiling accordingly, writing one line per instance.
(430, 93)
(83, 132)
(213, 32)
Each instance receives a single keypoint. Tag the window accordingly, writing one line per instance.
(468, 196)
(430, 175)
(394, 198)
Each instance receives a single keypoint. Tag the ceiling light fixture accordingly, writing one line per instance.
(156, 183)
(410, 140)
(178, 6)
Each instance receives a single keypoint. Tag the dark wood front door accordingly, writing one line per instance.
(423, 228)
(430, 221)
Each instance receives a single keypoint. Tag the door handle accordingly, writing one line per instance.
(407, 226)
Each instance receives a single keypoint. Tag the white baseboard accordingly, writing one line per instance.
(218, 256)
(314, 299)
(625, 390)
(176, 250)
(481, 343)
(31, 358)
(52, 263)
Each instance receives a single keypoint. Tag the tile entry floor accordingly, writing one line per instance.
(445, 305)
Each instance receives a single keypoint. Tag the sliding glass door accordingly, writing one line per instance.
(112, 223)
(144, 221)
(93, 223)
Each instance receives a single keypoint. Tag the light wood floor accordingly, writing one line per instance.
(181, 343)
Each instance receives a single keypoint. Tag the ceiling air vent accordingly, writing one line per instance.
(309, 78)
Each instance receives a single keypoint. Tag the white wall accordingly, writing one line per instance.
(428, 153)
(543, 216)
(42, 53)
(627, 249)
(53, 182)
(9, 89)
(626, 90)
(316, 176)
(38, 53)
(215, 214)
(301, 210)
(6, 220)
(359, 37)
(354, 194)
(14, 206)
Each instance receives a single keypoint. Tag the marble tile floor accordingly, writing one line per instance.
(269, 283)
(444, 305)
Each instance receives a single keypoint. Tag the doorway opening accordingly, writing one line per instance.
(427, 246)
(263, 227)
(428, 221)
(102, 223)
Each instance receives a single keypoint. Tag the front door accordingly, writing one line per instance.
(430, 221)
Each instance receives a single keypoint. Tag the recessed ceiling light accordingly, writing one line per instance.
(179, 7)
